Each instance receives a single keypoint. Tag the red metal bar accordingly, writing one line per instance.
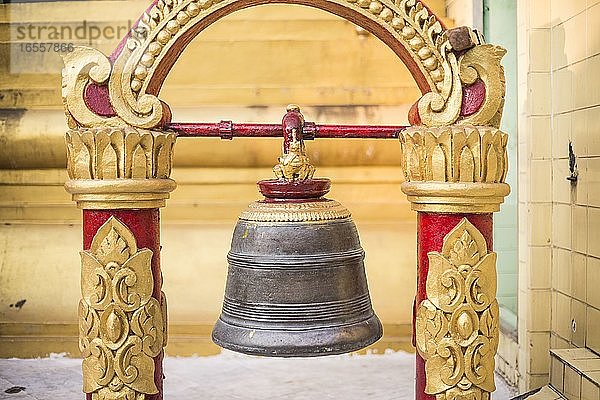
(229, 130)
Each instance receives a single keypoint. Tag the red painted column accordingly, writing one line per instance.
(145, 226)
(431, 230)
(455, 182)
(120, 179)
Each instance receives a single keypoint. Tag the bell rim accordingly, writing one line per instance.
(260, 342)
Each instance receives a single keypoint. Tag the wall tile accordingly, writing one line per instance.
(562, 10)
(539, 310)
(578, 316)
(592, 175)
(575, 37)
(541, 181)
(593, 66)
(593, 128)
(539, 92)
(557, 373)
(561, 187)
(589, 391)
(561, 270)
(581, 188)
(539, 50)
(579, 131)
(539, 14)
(578, 276)
(561, 135)
(540, 264)
(592, 339)
(541, 136)
(559, 55)
(572, 384)
(594, 231)
(540, 224)
(556, 342)
(561, 315)
(579, 229)
(562, 90)
(561, 225)
(539, 347)
(539, 380)
(593, 30)
(593, 282)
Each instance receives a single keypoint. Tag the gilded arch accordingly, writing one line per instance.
(122, 89)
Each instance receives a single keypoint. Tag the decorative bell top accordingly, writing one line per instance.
(294, 172)
(294, 195)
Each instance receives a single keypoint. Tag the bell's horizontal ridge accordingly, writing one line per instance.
(295, 261)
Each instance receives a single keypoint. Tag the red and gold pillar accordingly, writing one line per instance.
(120, 178)
(455, 181)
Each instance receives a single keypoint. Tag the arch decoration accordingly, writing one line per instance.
(120, 143)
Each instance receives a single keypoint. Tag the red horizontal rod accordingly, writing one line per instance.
(229, 130)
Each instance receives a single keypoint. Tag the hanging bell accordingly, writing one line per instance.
(296, 284)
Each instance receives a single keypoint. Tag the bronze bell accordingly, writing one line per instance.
(296, 284)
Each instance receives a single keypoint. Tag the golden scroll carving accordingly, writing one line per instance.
(121, 327)
(134, 77)
(457, 325)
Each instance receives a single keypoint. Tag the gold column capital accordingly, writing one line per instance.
(121, 167)
(454, 169)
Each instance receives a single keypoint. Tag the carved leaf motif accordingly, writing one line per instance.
(481, 283)
(447, 291)
(133, 283)
(489, 323)
(464, 325)
(124, 393)
(98, 368)
(431, 326)
(88, 328)
(118, 345)
(114, 326)
(464, 251)
(113, 248)
(95, 282)
(145, 323)
(446, 367)
(473, 393)
(457, 326)
(135, 368)
(479, 362)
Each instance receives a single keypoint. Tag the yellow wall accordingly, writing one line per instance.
(246, 67)
(559, 102)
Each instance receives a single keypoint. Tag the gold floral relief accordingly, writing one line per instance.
(457, 325)
(121, 327)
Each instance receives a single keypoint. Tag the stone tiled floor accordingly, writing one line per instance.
(231, 376)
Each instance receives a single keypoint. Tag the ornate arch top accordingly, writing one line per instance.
(461, 79)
